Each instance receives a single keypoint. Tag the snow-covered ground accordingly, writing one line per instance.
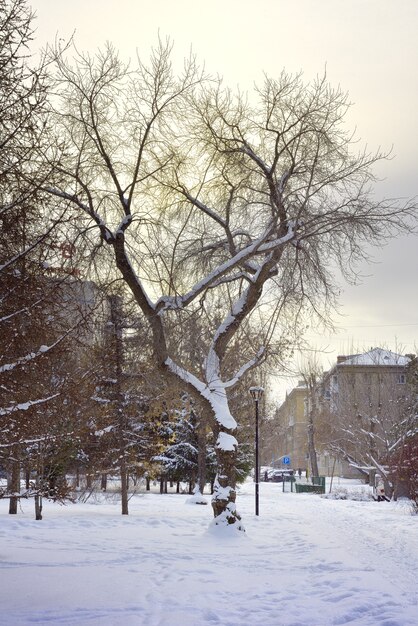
(306, 561)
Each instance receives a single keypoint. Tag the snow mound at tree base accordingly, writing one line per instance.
(228, 523)
(197, 498)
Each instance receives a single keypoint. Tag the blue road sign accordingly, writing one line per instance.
(286, 460)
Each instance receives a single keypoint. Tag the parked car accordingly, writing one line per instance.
(279, 475)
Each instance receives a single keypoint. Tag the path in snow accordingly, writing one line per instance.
(305, 561)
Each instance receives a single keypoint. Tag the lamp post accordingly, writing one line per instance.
(256, 393)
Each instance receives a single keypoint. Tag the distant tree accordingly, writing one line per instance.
(311, 374)
(217, 207)
(403, 456)
(31, 227)
(42, 304)
(179, 458)
(120, 440)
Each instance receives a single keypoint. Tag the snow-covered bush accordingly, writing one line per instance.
(341, 493)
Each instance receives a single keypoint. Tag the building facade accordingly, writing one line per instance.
(357, 411)
(291, 417)
(365, 400)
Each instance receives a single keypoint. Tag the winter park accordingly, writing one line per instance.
(208, 313)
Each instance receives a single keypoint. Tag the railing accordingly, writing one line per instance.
(317, 486)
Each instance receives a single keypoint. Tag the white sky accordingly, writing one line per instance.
(369, 47)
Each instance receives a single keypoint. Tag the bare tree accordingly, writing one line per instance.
(311, 374)
(216, 207)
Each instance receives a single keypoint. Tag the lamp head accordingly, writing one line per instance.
(256, 393)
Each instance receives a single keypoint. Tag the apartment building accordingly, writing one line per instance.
(359, 405)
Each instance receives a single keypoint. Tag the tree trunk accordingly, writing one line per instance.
(103, 484)
(224, 493)
(148, 483)
(124, 487)
(201, 454)
(311, 446)
(312, 452)
(116, 319)
(14, 487)
(38, 497)
(38, 507)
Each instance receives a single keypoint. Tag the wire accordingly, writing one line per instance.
(377, 326)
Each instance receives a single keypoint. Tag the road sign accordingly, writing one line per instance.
(286, 460)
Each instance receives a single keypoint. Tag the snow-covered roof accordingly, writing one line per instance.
(376, 356)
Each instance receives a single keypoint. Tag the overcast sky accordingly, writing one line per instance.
(369, 47)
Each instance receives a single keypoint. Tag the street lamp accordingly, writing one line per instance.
(256, 393)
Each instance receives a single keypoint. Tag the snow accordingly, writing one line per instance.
(197, 498)
(219, 404)
(226, 442)
(259, 246)
(247, 366)
(24, 406)
(126, 221)
(305, 561)
(221, 493)
(216, 394)
(376, 356)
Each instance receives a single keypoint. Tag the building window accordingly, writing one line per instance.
(401, 379)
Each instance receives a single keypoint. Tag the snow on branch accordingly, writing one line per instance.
(236, 309)
(7, 367)
(204, 208)
(259, 246)
(226, 442)
(107, 234)
(127, 219)
(245, 368)
(24, 406)
(188, 377)
(33, 245)
(25, 359)
(214, 393)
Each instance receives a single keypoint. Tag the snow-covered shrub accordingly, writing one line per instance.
(361, 494)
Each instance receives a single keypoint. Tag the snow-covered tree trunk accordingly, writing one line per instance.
(224, 493)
